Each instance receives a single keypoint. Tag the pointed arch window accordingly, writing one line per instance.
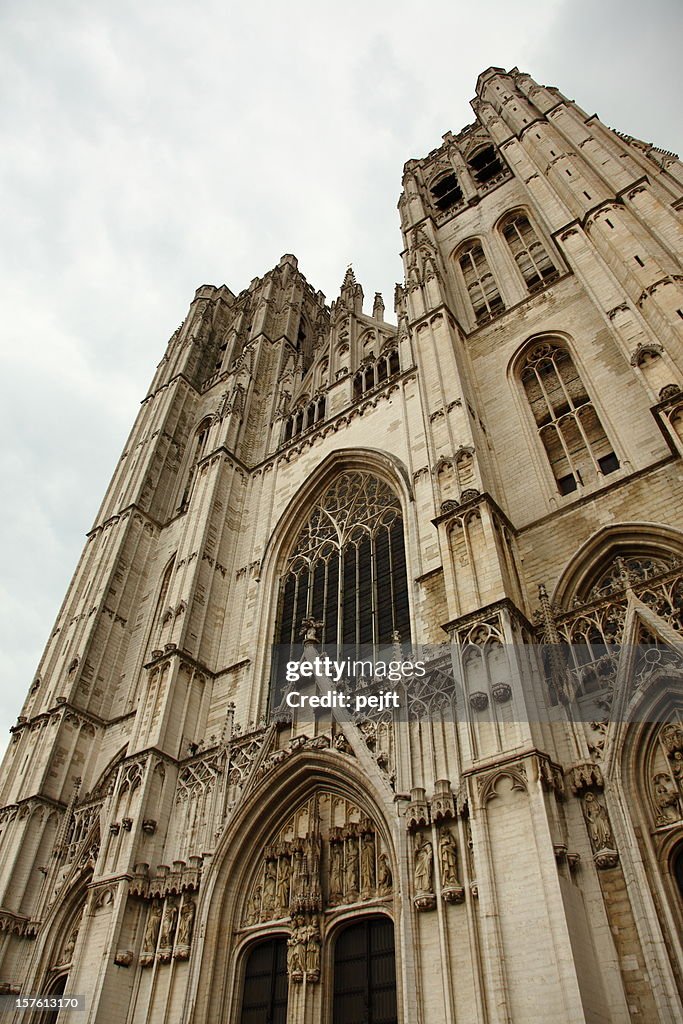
(446, 193)
(365, 973)
(480, 283)
(531, 257)
(574, 440)
(265, 991)
(201, 438)
(347, 569)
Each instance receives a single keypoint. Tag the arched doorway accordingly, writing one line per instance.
(265, 989)
(365, 973)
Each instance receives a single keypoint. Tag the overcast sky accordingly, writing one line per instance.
(148, 148)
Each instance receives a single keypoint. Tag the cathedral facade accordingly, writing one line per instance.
(490, 487)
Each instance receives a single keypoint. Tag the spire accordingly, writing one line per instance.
(351, 297)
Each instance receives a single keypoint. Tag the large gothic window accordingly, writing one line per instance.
(347, 568)
(365, 973)
(264, 998)
(534, 263)
(577, 447)
(480, 283)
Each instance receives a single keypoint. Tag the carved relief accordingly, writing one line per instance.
(451, 889)
(327, 854)
(149, 944)
(167, 935)
(185, 929)
(600, 832)
(424, 874)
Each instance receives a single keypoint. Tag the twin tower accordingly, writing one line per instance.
(491, 483)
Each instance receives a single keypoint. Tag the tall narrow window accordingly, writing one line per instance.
(264, 999)
(568, 425)
(535, 265)
(200, 439)
(365, 974)
(480, 283)
(346, 569)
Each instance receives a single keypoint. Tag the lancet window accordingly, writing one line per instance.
(347, 568)
(480, 283)
(486, 166)
(200, 440)
(304, 418)
(531, 257)
(375, 373)
(575, 442)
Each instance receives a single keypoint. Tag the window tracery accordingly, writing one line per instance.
(568, 425)
(480, 283)
(347, 567)
(530, 255)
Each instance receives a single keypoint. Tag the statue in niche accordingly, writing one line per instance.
(424, 866)
(336, 870)
(313, 950)
(152, 929)
(351, 873)
(672, 737)
(296, 950)
(384, 879)
(269, 887)
(448, 859)
(367, 864)
(666, 799)
(186, 923)
(597, 820)
(69, 947)
(254, 906)
(283, 883)
(168, 926)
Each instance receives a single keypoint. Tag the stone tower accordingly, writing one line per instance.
(493, 485)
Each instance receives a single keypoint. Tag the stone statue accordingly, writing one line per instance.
(424, 865)
(666, 799)
(448, 859)
(597, 820)
(296, 950)
(269, 887)
(384, 879)
(313, 950)
(186, 923)
(254, 906)
(336, 880)
(283, 884)
(168, 926)
(367, 864)
(351, 872)
(152, 929)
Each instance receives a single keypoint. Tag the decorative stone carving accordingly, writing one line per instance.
(501, 692)
(667, 800)
(185, 929)
(417, 813)
(424, 874)
(442, 803)
(123, 957)
(167, 935)
(479, 701)
(384, 878)
(149, 943)
(451, 889)
(584, 776)
(600, 832)
(303, 948)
